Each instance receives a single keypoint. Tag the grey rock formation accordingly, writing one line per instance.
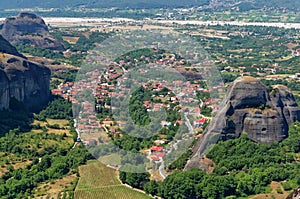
(23, 80)
(4, 91)
(28, 28)
(6, 47)
(250, 107)
(295, 194)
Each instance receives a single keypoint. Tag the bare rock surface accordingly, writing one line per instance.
(249, 106)
(21, 79)
(28, 28)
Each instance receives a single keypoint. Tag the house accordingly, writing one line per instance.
(157, 107)
(196, 110)
(165, 123)
(198, 136)
(113, 130)
(156, 149)
(160, 141)
(147, 104)
(173, 99)
(178, 122)
(121, 123)
(296, 53)
(57, 92)
(208, 102)
(160, 154)
(198, 123)
(155, 158)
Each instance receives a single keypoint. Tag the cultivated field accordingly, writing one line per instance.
(98, 181)
(113, 192)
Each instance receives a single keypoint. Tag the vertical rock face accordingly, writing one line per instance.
(25, 81)
(4, 91)
(6, 47)
(28, 28)
(265, 115)
(295, 194)
(250, 107)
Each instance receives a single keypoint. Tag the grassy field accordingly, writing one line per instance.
(274, 187)
(111, 159)
(53, 190)
(63, 125)
(99, 181)
(95, 174)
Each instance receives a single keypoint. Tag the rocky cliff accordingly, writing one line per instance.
(23, 80)
(249, 106)
(28, 28)
(6, 47)
(295, 194)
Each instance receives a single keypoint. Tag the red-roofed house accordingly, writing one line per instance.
(155, 158)
(199, 136)
(160, 154)
(156, 148)
(179, 122)
(147, 104)
(57, 92)
(198, 123)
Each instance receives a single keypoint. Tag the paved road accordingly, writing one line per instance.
(78, 134)
(175, 146)
(162, 171)
(75, 145)
(187, 122)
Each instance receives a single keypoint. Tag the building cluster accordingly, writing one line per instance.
(93, 93)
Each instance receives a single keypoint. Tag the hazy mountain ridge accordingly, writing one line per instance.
(101, 3)
(258, 4)
(243, 4)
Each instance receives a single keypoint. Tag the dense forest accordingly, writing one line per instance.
(243, 168)
(45, 154)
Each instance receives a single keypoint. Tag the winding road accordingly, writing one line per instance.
(78, 134)
(162, 171)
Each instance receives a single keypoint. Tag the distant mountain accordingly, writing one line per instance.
(7, 4)
(245, 5)
(242, 4)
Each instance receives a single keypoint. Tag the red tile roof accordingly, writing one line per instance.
(156, 148)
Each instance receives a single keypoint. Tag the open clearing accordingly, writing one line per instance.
(274, 194)
(49, 190)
